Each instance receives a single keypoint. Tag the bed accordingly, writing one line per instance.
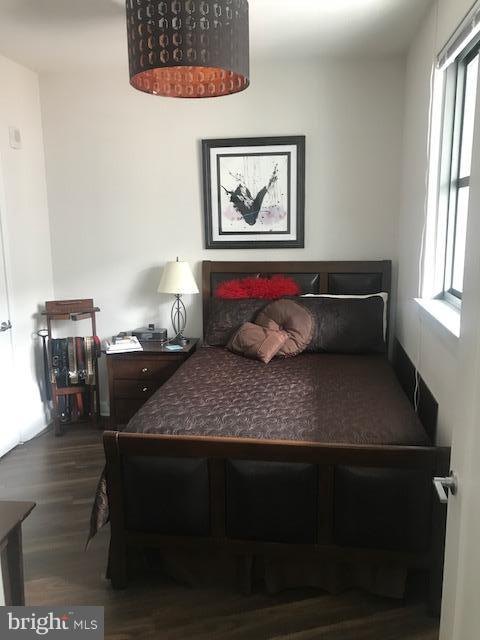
(318, 456)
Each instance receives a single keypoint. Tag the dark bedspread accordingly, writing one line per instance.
(320, 397)
(354, 399)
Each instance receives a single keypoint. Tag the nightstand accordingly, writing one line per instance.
(134, 377)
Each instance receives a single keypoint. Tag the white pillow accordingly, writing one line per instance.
(383, 295)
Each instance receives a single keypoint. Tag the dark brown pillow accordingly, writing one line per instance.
(293, 318)
(226, 316)
(259, 343)
(347, 325)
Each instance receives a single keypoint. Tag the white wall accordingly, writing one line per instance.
(448, 365)
(124, 175)
(428, 344)
(27, 235)
(450, 15)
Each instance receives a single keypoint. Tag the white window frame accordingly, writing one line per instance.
(447, 113)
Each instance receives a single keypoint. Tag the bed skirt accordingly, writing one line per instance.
(275, 574)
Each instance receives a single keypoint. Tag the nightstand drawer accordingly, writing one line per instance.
(135, 388)
(144, 368)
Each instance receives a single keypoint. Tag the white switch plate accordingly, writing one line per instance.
(15, 137)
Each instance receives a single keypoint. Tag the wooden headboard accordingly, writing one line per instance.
(336, 277)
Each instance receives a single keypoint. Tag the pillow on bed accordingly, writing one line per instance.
(256, 342)
(347, 325)
(272, 288)
(226, 316)
(383, 295)
(293, 318)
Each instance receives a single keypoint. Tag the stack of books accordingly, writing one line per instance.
(123, 344)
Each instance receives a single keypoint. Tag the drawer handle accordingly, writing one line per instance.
(145, 370)
(145, 389)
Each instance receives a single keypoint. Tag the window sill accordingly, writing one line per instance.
(445, 314)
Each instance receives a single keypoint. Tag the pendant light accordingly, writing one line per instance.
(188, 48)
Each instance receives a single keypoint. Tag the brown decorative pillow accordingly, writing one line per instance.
(259, 343)
(293, 318)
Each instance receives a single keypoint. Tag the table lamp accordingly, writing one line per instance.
(177, 278)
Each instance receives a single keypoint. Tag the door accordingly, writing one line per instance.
(460, 604)
(9, 433)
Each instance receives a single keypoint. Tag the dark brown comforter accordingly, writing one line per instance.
(320, 397)
(354, 399)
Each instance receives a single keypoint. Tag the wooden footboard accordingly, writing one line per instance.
(325, 480)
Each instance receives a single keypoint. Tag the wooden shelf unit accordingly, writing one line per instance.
(73, 310)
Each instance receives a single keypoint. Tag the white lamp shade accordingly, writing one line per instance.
(177, 277)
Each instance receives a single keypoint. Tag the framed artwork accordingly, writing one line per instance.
(254, 191)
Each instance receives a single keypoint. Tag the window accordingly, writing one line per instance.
(466, 72)
(451, 136)
(460, 96)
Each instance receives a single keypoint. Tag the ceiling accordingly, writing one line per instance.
(52, 35)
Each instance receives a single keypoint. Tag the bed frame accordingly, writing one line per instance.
(314, 277)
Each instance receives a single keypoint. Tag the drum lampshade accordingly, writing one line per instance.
(188, 48)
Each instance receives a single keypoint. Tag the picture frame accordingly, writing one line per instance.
(254, 192)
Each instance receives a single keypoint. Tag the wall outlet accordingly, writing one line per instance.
(15, 137)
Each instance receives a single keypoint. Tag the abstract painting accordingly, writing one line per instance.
(254, 192)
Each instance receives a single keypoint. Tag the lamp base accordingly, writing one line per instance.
(179, 319)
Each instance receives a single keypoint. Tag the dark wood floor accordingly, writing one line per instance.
(60, 474)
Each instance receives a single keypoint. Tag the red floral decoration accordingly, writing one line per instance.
(268, 288)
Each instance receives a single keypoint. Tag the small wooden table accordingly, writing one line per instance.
(12, 514)
(134, 377)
